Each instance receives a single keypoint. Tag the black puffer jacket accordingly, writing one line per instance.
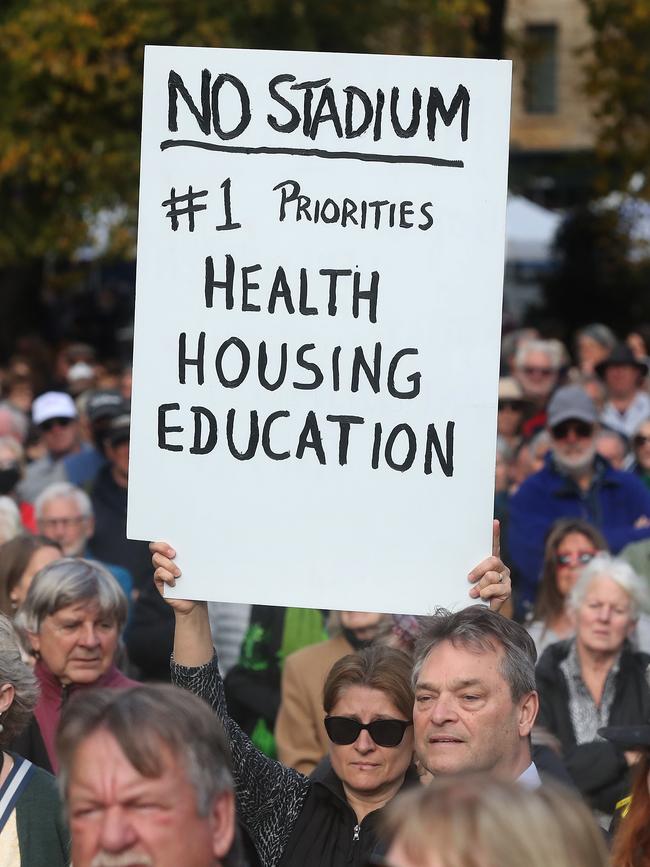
(293, 820)
(599, 768)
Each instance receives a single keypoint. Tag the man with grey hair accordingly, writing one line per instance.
(475, 698)
(64, 513)
(536, 367)
(145, 774)
(575, 482)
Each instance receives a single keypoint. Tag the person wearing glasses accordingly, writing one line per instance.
(596, 679)
(510, 414)
(570, 545)
(65, 514)
(331, 819)
(55, 415)
(536, 368)
(575, 482)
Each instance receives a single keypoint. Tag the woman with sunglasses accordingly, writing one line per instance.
(597, 679)
(330, 819)
(570, 545)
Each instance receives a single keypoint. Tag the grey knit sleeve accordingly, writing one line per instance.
(269, 796)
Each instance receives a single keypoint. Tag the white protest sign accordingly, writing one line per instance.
(320, 265)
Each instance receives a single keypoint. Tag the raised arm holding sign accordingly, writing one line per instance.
(368, 704)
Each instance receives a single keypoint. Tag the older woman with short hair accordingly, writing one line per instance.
(72, 617)
(31, 828)
(596, 679)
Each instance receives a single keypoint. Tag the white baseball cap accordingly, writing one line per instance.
(53, 404)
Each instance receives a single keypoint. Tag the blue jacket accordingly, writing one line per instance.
(613, 503)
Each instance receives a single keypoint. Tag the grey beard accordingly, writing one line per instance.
(575, 469)
(123, 859)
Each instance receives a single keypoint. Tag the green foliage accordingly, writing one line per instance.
(71, 90)
(599, 278)
(618, 79)
(70, 82)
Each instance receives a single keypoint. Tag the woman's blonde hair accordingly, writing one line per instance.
(477, 821)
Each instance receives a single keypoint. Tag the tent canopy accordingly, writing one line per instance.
(530, 230)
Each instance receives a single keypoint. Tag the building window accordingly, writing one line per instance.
(540, 77)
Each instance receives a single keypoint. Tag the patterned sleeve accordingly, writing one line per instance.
(269, 796)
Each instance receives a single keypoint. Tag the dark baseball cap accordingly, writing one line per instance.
(104, 404)
(119, 429)
(571, 402)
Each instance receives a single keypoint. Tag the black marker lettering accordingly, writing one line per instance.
(245, 362)
(407, 463)
(245, 103)
(446, 460)
(310, 438)
(344, 422)
(164, 429)
(211, 284)
(176, 85)
(253, 436)
(413, 378)
(200, 412)
(262, 362)
(184, 361)
(266, 436)
(272, 121)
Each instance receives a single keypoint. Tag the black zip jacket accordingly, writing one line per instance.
(293, 820)
(599, 769)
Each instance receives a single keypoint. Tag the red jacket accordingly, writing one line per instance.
(54, 695)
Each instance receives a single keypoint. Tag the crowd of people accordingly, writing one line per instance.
(136, 729)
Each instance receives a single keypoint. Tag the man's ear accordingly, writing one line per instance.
(223, 824)
(7, 693)
(528, 710)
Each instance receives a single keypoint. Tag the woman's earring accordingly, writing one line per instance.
(2, 728)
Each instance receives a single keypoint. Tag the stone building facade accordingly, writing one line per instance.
(553, 129)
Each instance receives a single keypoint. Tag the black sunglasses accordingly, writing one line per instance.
(514, 405)
(51, 422)
(343, 730)
(580, 428)
(639, 440)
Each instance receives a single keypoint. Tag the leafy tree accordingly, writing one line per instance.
(600, 276)
(618, 79)
(71, 79)
(70, 83)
